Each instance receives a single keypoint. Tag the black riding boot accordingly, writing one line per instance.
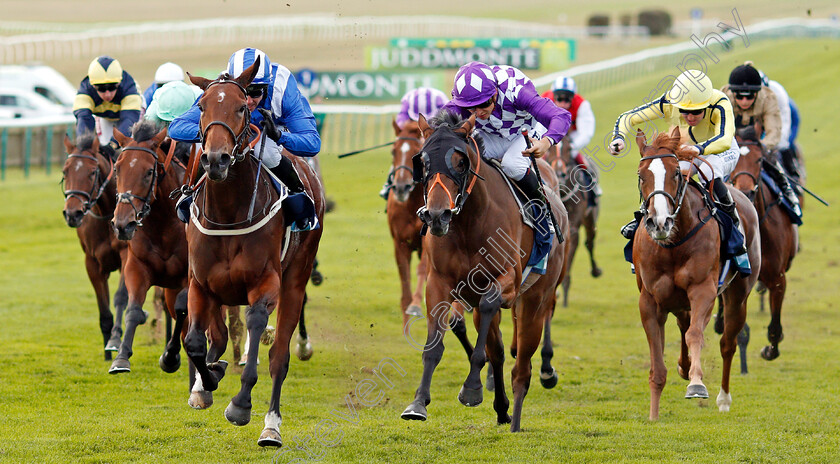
(531, 186)
(285, 171)
(727, 204)
(777, 173)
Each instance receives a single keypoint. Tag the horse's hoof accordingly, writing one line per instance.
(170, 365)
(113, 344)
(415, 411)
(108, 355)
(470, 397)
(303, 349)
(596, 272)
(270, 437)
(267, 337)
(724, 401)
(513, 353)
(414, 310)
(682, 372)
(549, 380)
(696, 391)
(120, 366)
(238, 416)
(769, 352)
(503, 419)
(316, 277)
(200, 399)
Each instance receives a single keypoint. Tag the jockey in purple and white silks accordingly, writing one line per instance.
(422, 100)
(505, 102)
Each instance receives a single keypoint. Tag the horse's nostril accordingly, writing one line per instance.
(446, 216)
(224, 159)
(204, 159)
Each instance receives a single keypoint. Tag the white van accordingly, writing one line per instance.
(40, 79)
(17, 103)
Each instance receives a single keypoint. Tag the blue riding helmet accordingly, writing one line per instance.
(244, 58)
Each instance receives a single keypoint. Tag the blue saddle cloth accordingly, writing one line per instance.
(783, 202)
(543, 237)
(298, 208)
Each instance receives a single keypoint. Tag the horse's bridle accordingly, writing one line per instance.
(681, 189)
(238, 139)
(405, 166)
(150, 195)
(434, 173)
(87, 198)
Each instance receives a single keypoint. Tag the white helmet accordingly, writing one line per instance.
(168, 72)
(564, 83)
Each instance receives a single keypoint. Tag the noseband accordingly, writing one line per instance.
(239, 140)
(755, 179)
(87, 198)
(147, 200)
(675, 202)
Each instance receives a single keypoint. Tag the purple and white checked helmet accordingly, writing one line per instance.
(244, 58)
(474, 85)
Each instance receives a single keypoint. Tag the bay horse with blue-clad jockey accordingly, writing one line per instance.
(241, 256)
(89, 201)
(468, 208)
(677, 262)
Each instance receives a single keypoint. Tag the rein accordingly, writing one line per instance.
(87, 198)
(238, 146)
(675, 202)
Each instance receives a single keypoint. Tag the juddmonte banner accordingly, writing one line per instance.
(408, 53)
(370, 85)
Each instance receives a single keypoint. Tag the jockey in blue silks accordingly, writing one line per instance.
(273, 92)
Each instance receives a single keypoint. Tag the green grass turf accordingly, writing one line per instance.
(58, 404)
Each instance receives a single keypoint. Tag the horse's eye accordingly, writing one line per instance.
(150, 172)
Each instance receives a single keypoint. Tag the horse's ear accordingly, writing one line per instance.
(396, 126)
(640, 140)
(247, 75)
(68, 144)
(121, 138)
(199, 81)
(467, 126)
(95, 145)
(425, 129)
(675, 132)
(160, 136)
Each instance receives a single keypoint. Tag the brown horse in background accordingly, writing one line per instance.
(157, 246)
(469, 213)
(403, 202)
(779, 235)
(677, 260)
(237, 258)
(89, 201)
(574, 197)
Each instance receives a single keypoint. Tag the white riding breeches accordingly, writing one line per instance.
(719, 165)
(271, 155)
(509, 152)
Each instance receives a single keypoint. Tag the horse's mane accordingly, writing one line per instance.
(748, 133)
(85, 141)
(144, 130)
(454, 120)
(664, 141)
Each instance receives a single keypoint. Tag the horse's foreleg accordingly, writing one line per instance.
(416, 306)
(138, 284)
(684, 361)
(654, 325)
(735, 315)
(176, 304)
(548, 376)
(218, 334)
(774, 330)
(590, 220)
(436, 292)
(701, 297)
(238, 411)
(471, 393)
(99, 281)
(195, 345)
(402, 254)
(303, 348)
(459, 329)
(531, 324)
(120, 303)
(496, 353)
(288, 316)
